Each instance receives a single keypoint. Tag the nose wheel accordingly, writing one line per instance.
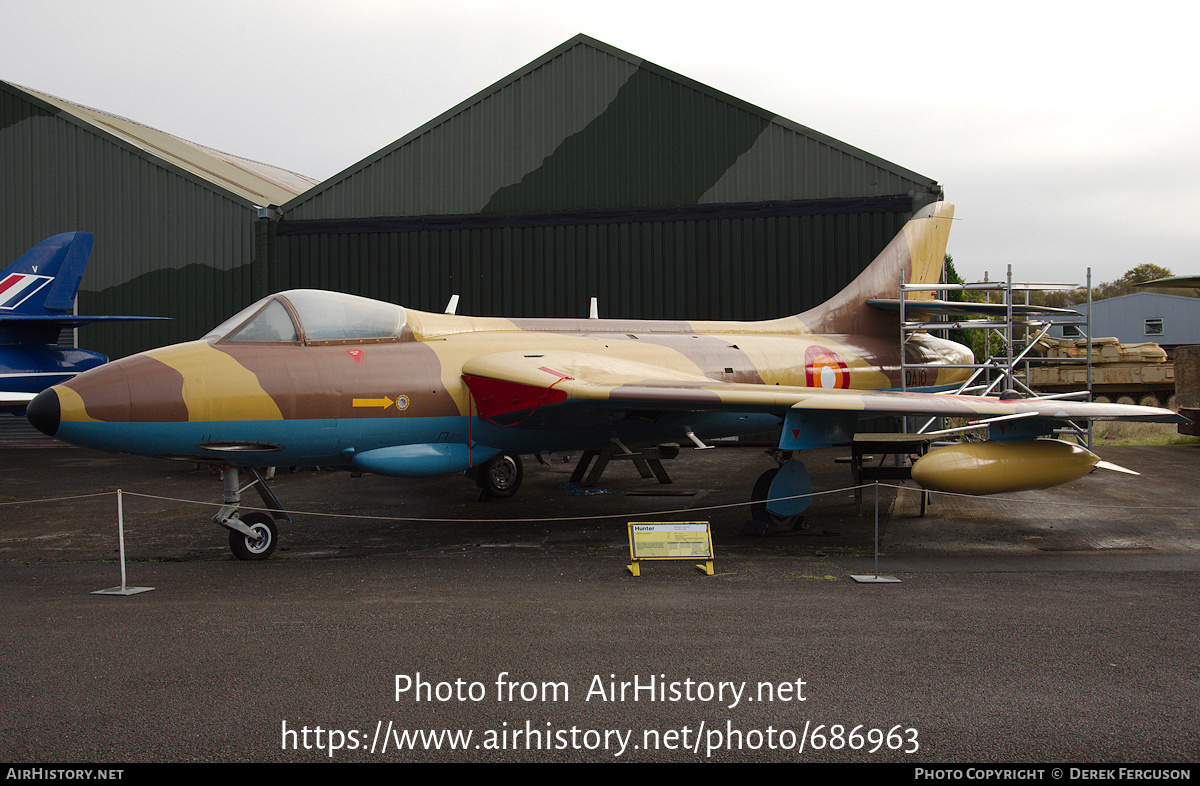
(262, 545)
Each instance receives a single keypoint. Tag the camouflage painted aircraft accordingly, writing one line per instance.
(310, 377)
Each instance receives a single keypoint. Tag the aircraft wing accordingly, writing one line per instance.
(68, 320)
(1181, 282)
(508, 382)
(9, 398)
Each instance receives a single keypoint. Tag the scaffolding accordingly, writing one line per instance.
(1006, 371)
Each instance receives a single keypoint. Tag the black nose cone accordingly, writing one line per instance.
(43, 412)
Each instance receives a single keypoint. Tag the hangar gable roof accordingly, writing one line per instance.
(589, 126)
(261, 184)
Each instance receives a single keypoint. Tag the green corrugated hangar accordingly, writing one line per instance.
(589, 172)
(176, 223)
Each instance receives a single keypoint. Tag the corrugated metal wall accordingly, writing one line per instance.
(729, 268)
(166, 244)
(590, 128)
(1125, 317)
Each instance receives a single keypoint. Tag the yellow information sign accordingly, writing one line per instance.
(670, 540)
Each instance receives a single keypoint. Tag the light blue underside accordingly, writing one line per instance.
(397, 446)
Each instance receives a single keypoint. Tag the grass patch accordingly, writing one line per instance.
(844, 551)
(1127, 433)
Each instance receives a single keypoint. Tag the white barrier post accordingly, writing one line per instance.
(121, 590)
(876, 579)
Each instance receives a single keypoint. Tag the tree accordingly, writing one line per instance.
(974, 338)
(1125, 284)
(1146, 271)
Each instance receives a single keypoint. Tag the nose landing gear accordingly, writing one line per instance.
(252, 536)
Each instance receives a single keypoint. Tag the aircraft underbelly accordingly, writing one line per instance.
(418, 446)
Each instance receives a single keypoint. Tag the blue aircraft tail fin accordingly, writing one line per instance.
(45, 279)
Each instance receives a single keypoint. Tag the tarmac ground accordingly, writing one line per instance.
(1048, 626)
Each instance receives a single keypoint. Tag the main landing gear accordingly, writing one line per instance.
(253, 535)
(497, 478)
(780, 497)
(500, 476)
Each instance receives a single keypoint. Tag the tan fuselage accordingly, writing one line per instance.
(420, 374)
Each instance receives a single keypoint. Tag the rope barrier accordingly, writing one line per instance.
(677, 511)
(56, 499)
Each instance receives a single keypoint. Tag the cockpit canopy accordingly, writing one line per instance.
(313, 316)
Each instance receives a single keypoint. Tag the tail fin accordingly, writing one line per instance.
(45, 279)
(918, 251)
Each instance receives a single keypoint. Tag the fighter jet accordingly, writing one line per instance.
(310, 377)
(37, 298)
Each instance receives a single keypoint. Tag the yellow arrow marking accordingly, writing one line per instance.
(373, 402)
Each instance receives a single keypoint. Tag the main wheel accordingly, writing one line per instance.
(263, 526)
(500, 476)
(758, 497)
(758, 507)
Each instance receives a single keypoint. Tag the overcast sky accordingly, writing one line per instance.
(1068, 135)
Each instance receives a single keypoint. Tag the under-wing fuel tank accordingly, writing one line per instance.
(996, 467)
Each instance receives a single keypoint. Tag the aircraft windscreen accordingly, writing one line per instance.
(335, 316)
(235, 321)
(272, 324)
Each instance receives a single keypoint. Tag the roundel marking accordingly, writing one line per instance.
(824, 369)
